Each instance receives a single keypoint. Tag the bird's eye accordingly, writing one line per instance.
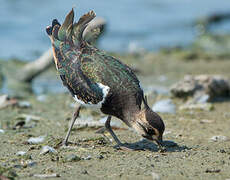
(151, 131)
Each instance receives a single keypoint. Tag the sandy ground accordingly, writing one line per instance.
(190, 152)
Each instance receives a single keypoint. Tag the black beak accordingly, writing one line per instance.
(160, 144)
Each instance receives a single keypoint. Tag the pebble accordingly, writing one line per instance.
(24, 104)
(72, 158)
(202, 107)
(100, 157)
(202, 99)
(42, 98)
(164, 106)
(31, 163)
(3, 99)
(20, 153)
(36, 140)
(28, 117)
(46, 175)
(47, 149)
(218, 138)
(155, 176)
(88, 158)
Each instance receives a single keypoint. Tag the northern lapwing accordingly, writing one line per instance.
(96, 79)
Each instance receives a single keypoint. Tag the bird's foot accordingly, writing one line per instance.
(64, 143)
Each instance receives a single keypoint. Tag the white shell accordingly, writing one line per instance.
(105, 91)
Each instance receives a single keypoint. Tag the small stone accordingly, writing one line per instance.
(213, 85)
(2, 131)
(100, 157)
(42, 98)
(24, 104)
(212, 170)
(155, 176)
(218, 138)
(88, 158)
(28, 117)
(72, 158)
(47, 149)
(46, 175)
(20, 153)
(202, 99)
(36, 140)
(31, 163)
(6, 101)
(84, 172)
(202, 107)
(3, 98)
(164, 106)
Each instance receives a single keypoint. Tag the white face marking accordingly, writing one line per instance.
(105, 91)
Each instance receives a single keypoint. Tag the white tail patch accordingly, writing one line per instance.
(105, 90)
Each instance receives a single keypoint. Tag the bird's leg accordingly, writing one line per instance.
(108, 127)
(74, 117)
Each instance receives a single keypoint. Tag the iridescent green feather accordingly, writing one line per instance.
(62, 33)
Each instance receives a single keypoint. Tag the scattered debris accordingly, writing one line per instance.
(47, 149)
(202, 99)
(46, 175)
(203, 121)
(42, 98)
(213, 86)
(2, 131)
(164, 106)
(20, 153)
(204, 107)
(28, 163)
(4, 177)
(6, 101)
(100, 156)
(36, 140)
(24, 104)
(87, 158)
(212, 170)
(26, 121)
(72, 158)
(155, 176)
(218, 138)
(28, 117)
(7, 173)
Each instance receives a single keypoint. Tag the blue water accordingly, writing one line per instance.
(147, 24)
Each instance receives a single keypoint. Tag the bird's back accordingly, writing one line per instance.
(92, 76)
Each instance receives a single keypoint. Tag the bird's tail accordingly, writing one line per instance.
(69, 31)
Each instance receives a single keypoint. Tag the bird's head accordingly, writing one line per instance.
(149, 124)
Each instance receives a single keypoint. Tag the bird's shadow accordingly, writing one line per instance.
(145, 145)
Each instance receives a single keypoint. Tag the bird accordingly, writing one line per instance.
(99, 80)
